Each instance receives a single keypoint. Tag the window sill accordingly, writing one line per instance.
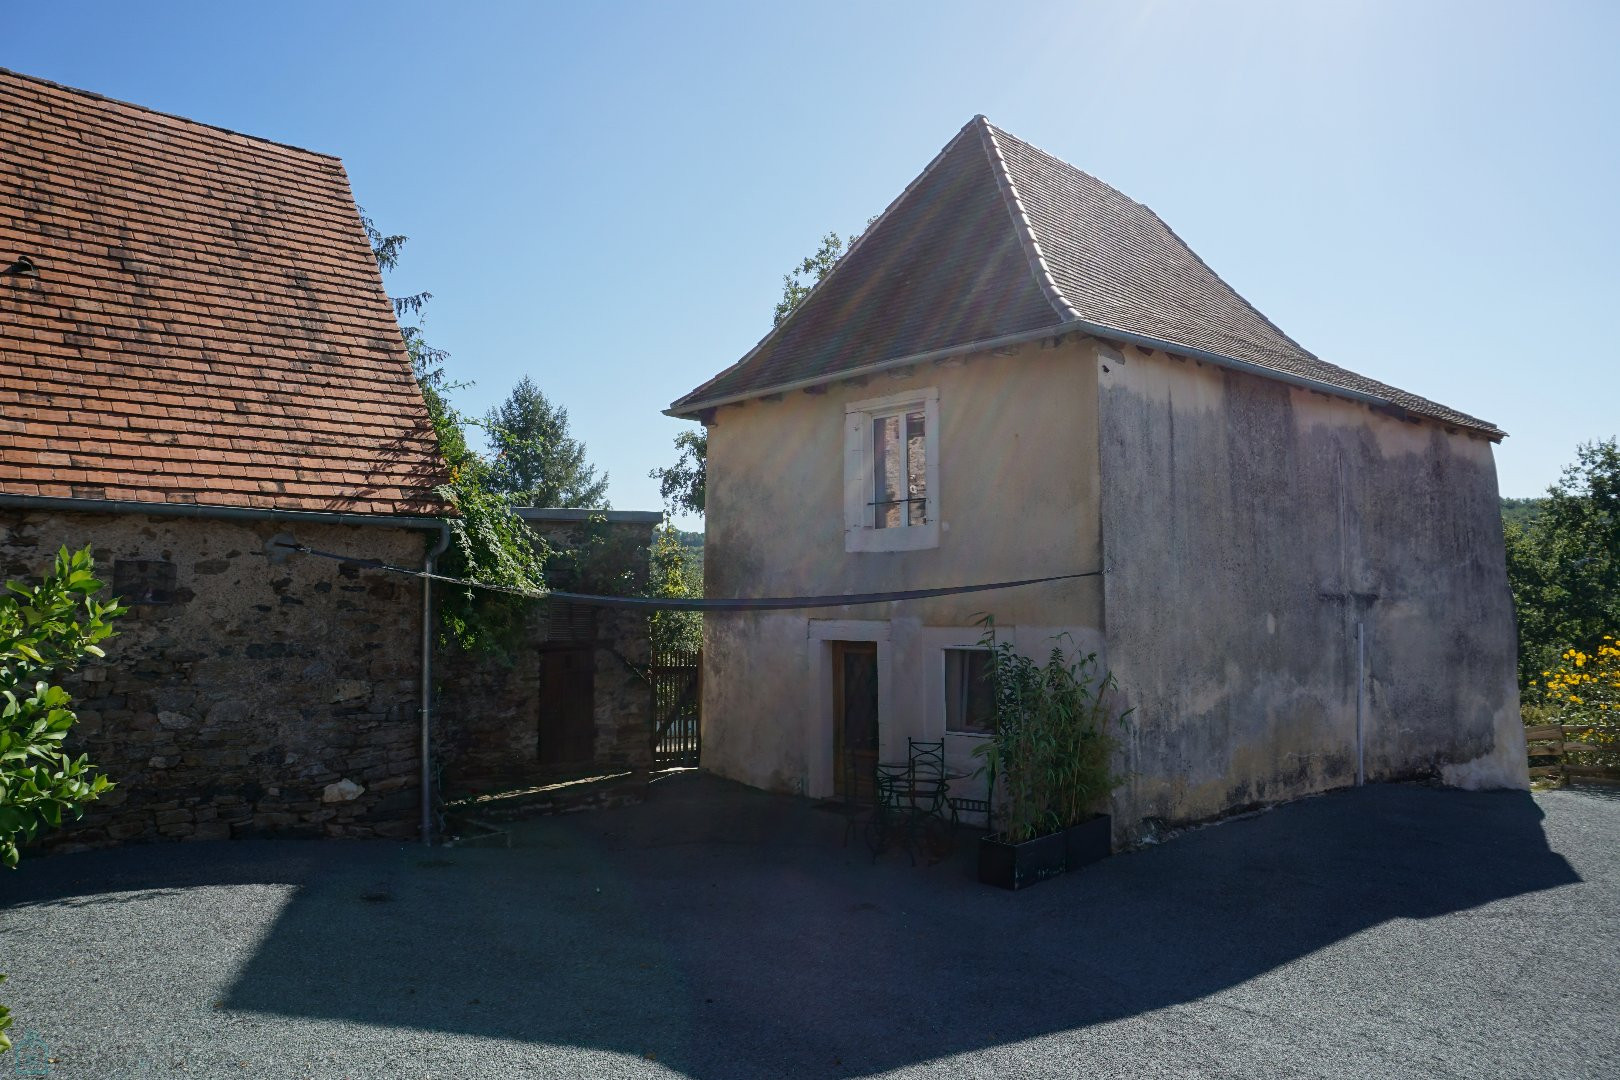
(907, 538)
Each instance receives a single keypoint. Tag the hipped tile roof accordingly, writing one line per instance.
(208, 324)
(997, 238)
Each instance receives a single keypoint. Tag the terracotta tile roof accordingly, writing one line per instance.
(997, 238)
(208, 324)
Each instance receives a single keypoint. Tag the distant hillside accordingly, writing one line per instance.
(1518, 511)
(693, 540)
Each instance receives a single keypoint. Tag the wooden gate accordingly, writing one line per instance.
(677, 679)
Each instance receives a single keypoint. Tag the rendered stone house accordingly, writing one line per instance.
(201, 358)
(1018, 372)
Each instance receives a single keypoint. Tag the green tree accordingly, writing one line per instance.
(1564, 564)
(488, 541)
(537, 462)
(797, 283)
(45, 630)
(684, 485)
(1521, 511)
(676, 572)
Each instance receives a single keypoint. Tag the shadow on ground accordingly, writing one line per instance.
(727, 933)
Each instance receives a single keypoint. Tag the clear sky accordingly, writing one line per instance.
(605, 197)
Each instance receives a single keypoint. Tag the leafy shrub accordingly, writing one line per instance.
(1582, 692)
(1050, 759)
(46, 629)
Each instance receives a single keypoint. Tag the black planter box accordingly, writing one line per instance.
(1013, 866)
(1088, 842)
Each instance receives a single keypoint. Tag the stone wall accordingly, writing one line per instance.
(491, 710)
(250, 694)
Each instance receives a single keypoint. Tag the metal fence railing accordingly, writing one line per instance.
(677, 679)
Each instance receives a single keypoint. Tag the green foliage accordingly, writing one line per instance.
(684, 485)
(1521, 511)
(536, 461)
(488, 541)
(797, 283)
(5, 1022)
(1564, 564)
(1051, 756)
(46, 629)
(676, 571)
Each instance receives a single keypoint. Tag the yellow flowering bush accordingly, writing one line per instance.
(1583, 692)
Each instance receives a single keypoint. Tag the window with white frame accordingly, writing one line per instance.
(970, 693)
(891, 472)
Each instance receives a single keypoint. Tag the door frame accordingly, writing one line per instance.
(818, 733)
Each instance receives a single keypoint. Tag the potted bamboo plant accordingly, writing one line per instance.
(1050, 760)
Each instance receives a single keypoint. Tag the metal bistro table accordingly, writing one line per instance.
(912, 804)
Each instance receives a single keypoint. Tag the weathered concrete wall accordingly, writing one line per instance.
(244, 702)
(1017, 499)
(490, 710)
(1247, 526)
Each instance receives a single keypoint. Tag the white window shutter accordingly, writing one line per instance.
(854, 472)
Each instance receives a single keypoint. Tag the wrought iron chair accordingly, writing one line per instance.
(961, 804)
(896, 817)
(929, 788)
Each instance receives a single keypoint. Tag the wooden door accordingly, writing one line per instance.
(855, 718)
(567, 719)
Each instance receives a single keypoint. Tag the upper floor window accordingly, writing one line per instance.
(891, 472)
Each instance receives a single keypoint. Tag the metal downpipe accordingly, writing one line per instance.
(427, 683)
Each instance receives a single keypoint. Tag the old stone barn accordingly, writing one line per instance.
(197, 357)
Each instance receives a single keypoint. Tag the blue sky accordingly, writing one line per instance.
(605, 197)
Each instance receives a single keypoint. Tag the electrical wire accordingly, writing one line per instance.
(763, 603)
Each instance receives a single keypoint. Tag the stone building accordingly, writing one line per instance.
(196, 357)
(198, 364)
(1016, 373)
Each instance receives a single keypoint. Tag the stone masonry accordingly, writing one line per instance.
(491, 709)
(242, 694)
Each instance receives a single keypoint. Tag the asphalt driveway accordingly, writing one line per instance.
(715, 932)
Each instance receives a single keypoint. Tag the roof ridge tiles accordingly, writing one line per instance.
(1165, 225)
(183, 120)
(867, 232)
(1026, 231)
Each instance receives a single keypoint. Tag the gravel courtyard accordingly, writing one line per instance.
(715, 932)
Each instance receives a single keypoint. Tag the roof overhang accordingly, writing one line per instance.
(696, 410)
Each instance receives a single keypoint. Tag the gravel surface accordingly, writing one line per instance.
(714, 932)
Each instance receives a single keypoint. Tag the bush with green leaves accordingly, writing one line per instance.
(45, 631)
(676, 573)
(1050, 760)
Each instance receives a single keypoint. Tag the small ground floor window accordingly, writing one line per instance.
(970, 700)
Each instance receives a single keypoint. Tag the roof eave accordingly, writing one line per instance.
(692, 410)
